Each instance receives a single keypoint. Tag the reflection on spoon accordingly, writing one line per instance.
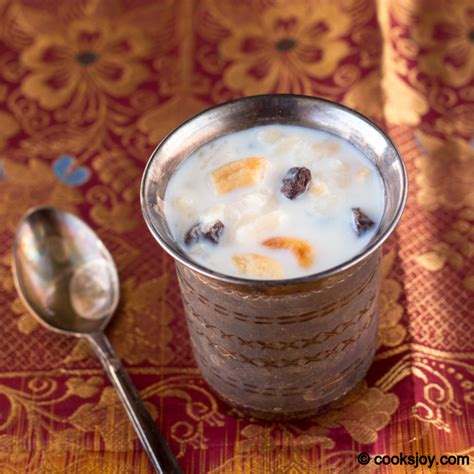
(89, 289)
(68, 281)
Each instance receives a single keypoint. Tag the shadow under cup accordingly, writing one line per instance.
(279, 349)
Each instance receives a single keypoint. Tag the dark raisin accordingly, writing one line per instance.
(360, 221)
(211, 232)
(214, 232)
(193, 234)
(295, 182)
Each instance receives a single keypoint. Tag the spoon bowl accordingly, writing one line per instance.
(68, 281)
(64, 273)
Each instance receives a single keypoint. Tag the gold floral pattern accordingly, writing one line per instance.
(103, 82)
(80, 83)
(445, 173)
(446, 33)
(403, 103)
(284, 48)
(279, 447)
(390, 332)
(90, 58)
(84, 388)
(259, 439)
(455, 249)
(117, 173)
(26, 323)
(97, 421)
(440, 401)
(366, 96)
(264, 448)
(363, 413)
(158, 121)
(8, 128)
(107, 418)
(109, 212)
(458, 119)
(435, 259)
(6, 280)
(28, 184)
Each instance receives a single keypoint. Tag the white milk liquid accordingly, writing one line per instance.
(342, 178)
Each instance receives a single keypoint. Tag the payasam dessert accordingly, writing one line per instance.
(274, 202)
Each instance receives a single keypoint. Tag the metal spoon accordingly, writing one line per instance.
(68, 281)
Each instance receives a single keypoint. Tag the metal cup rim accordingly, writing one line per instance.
(373, 246)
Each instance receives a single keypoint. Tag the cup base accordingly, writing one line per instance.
(284, 416)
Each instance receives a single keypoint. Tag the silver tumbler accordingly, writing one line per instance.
(279, 349)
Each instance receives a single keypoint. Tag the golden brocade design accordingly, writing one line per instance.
(26, 324)
(456, 248)
(283, 462)
(438, 377)
(22, 188)
(390, 331)
(404, 102)
(445, 177)
(458, 119)
(78, 78)
(363, 412)
(99, 83)
(6, 279)
(157, 122)
(84, 388)
(451, 333)
(440, 254)
(117, 173)
(103, 419)
(109, 212)
(258, 449)
(8, 126)
(282, 49)
(446, 36)
(258, 438)
(367, 96)
(89, 59)
(108, 419)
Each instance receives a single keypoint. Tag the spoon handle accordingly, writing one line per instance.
(152, 440)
